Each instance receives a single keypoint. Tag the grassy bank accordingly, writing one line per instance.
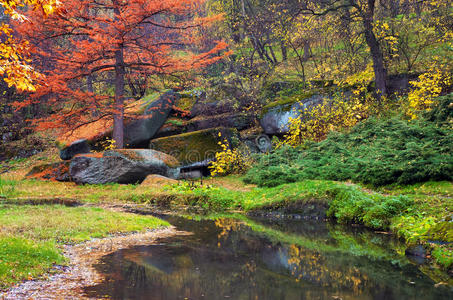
(420, 213)
(31, 236)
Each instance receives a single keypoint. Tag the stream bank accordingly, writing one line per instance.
(68, 282)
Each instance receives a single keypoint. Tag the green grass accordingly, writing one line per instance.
(30, 236)
(36, 189)
(7, 188)
(70, 224)
(23, 259)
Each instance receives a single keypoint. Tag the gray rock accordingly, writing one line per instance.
(122, 166)
(78, 147)
(138, 132)
(276, 120)
(264, 143)
(416, 253)
(202, 107)
(239, 121)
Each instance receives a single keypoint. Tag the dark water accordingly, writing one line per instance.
(257, 259)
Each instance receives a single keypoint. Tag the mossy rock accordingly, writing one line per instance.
(285, 103)
(195, 146)
(58, 171)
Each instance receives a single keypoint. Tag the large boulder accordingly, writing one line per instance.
(54, 172)
(122, 166)
(143, 120)
(172, 126)
(138, 132)
(275, 118)
(195, 146)
(239, 121)
(78, 147)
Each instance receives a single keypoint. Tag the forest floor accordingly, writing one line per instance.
(33, 225)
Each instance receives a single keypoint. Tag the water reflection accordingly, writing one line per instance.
(231, 259)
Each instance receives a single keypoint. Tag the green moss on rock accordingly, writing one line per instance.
(194, 146)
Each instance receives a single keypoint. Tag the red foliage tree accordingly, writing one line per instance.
(105, 41)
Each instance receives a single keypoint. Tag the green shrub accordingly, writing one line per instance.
(376, 152)
(351, 205)
(442, 111)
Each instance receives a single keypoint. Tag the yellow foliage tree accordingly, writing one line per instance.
(14, 56)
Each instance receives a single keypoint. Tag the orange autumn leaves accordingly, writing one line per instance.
(81, 44)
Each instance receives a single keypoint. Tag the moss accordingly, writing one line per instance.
(175, 121)
(136, 155)
(442, 231)
(130, 154)
(193, 146)
(286, 102)
(443, 256)
(186, 103)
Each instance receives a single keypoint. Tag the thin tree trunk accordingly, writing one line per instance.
(120, 73)
(284, 50)
(118, 116)
(90, 84)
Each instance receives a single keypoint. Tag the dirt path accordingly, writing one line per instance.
(69, 281)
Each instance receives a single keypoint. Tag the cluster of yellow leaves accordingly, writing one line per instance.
(315, 123)
(428, 86)
(387, 35)
(230, 161)
(107, 144)
(359, 80)
(14, 62)
(46, 6)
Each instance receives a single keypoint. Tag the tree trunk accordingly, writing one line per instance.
(90, 84)
(118, 115)
(284, 51)
(120, 73)
(380, 73)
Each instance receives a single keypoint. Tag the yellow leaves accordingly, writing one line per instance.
(13, 54)
(428, 86)
(316, 123)
(229, 161)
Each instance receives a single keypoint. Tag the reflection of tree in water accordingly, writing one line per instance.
(311, 266)
(136, 276)
(234, 261)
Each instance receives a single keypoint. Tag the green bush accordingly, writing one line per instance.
(442, 111)
(351, 205)
(376, 152)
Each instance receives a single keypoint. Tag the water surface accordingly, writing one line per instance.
(228, 258)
